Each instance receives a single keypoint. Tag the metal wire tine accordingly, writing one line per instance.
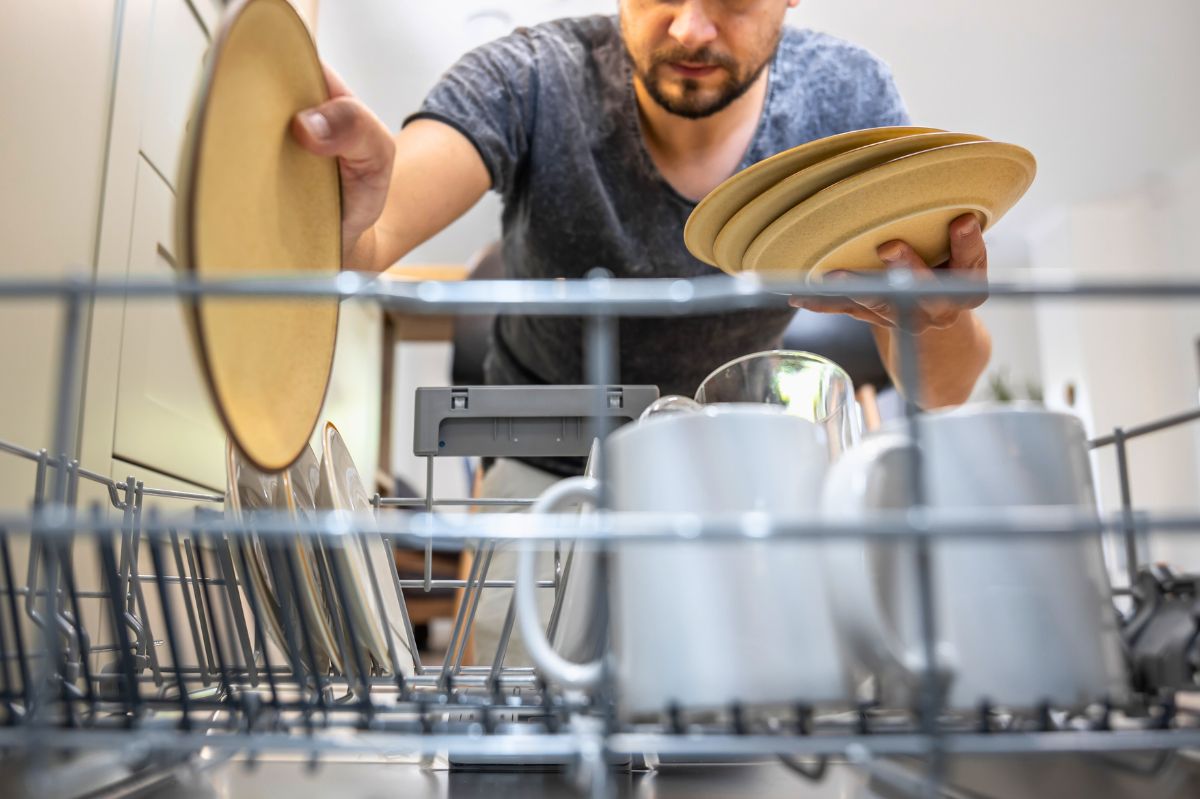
(557, 565)
(66, 408)
(292, 590)
(54, 659)
(930, 693)
(5, 673)
(197, 625)
(461, 625)
(233, 603)
(81, 635)
(409, 635)
(72, 483)
(256, 611)
(331, 602)
(116, 605)
(206, 602)
(560, 593)
(39, 479)
(1130, 531)
(164, 597)
(600, 350)
(15, 619)
(359, 540)
(505, 634)
(141, 622)
(429, 509)
(128, 519)
(353, 650)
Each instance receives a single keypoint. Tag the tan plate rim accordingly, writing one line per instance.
(705, 253)
(185, 219)
(837, 190)
(815, 273)
(849, 156)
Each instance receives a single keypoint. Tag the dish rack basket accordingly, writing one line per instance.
(125, 630)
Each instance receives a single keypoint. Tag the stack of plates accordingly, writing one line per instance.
(828, 204)
(333, 603)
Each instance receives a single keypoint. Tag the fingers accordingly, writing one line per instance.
(968, 258)
(843, 306)
(346, 128)
(935, 313)
(968, 255)
(967, 250)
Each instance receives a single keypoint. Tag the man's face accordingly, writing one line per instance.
(695, 57)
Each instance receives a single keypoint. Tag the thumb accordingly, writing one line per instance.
(346, 128)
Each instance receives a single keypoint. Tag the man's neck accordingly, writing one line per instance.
(695, 155)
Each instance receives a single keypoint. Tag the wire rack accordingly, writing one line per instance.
(124, 629)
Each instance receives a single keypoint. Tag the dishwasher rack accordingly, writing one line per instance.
(122, 629)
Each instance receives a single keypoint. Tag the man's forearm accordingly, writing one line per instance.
(951, 359)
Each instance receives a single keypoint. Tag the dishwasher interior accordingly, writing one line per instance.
(135, 657)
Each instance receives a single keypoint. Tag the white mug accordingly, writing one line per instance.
(704, 625)
(1018, 622)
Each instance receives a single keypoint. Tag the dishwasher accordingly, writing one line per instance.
(134, 660)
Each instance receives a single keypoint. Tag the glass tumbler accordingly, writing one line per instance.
(807, 385)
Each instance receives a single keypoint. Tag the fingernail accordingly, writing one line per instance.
(890, 253)
(316, 124)
(969, 229)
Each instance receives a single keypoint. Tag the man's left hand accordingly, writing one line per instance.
(968, 258)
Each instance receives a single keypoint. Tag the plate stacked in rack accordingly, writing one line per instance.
(330, 603)
(828, 204)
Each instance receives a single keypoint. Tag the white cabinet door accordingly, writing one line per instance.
(178, 41)
(165, 418)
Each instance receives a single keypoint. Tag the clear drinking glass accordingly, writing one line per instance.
(807, 385)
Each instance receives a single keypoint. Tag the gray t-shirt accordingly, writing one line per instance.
(552, 111)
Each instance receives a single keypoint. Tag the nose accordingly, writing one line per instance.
(692, 27)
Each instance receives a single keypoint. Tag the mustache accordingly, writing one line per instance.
(704, 56)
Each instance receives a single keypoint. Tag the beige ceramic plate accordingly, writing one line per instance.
(711, 214)
(912, 198)
(252, 202)
(364, 565)
(756, 215)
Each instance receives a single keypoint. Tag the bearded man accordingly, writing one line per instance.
(601, 134)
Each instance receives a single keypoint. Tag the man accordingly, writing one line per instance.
(601, 134)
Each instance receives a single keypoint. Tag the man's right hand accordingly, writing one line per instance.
(344, 128)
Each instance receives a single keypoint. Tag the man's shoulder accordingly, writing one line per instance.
(809, 55)
(572, 34)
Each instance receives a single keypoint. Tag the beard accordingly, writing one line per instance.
(692, 100)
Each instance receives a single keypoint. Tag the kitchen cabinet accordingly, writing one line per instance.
(55, 72)
(164, 417)
(177, 44)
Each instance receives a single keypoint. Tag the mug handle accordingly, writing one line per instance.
(853, 592)
(553, 665)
